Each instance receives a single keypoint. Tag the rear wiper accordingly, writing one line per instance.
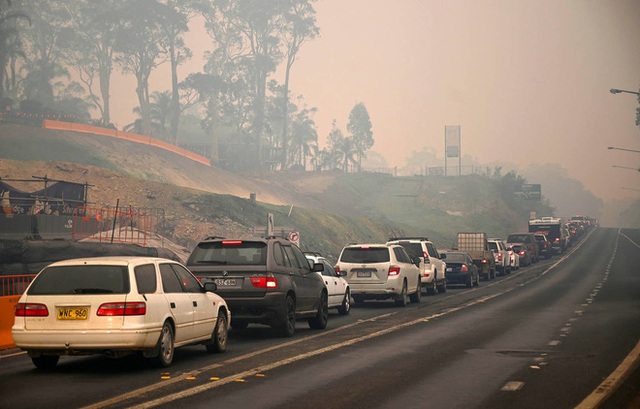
(92, 291)
(212, 262)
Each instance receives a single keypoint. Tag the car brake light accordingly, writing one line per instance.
(499, 256)
(484, 261)
(521, 253)
(231, 243)
(464, 268)
(31, 310)
(268, 281)
(112, 309)
(557, 240)
(394, 270)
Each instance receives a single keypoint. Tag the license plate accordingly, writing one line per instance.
(73, 313)
(225, 282)
(363, 274)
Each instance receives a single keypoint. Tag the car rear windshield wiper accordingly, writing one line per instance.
(92, 291)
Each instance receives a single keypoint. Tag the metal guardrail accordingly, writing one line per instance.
(14, 284)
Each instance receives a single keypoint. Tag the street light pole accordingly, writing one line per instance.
(618, 91)
(623, 149)
(625, 167)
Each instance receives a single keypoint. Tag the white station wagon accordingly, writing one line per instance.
(116, 306)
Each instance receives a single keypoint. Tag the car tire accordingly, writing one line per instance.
(345, 307)
(287, 325)
(442, 288)
(220, 335)
(417, 296)
(477, 283)
(402, 301)
(45, 361)
(432, 288)
(322, 316)
(165, 347)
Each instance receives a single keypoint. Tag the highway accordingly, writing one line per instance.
(544, 336)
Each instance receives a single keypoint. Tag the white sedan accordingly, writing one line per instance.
(116, 306)
(337, 286)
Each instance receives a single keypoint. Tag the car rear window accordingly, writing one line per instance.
(493, 245)
(455, 258)
(414, 249)
(365, 255)
(83, 279)
(517, 238)
(230, 252)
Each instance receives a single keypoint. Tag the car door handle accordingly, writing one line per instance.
(173, 305)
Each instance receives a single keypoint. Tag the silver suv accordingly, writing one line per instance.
(379, 272)
(432, 266)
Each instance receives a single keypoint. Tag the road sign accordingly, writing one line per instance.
(294, 237)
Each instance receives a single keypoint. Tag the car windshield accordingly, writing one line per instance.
(82, 279)
(493, 245)
(365, 255)
(230, 252)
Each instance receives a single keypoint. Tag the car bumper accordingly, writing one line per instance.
(256, 309)
(76, 342)
(457, 278)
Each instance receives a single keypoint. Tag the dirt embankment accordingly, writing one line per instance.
(144, 176)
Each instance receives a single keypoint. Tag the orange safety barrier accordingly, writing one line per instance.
(114, 133)
(11, 287)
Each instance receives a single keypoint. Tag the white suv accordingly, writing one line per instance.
(379, 272)
(432, 266)
(501, 255)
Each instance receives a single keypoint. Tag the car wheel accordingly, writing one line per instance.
(417, 296)
(287, 325)
(432, 288)
(165, 346)
(220, 335)
(45, 361)
(442, 288)
(402, 301)
(477, 284)
(239, 325)
(322, 316)
(346, 304)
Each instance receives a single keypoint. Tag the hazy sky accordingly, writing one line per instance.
(527, 80)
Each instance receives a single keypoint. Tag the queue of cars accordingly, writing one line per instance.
(122, 305)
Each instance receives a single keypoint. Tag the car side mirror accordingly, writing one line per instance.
(210, 286)
(416, 261)
(443, 256)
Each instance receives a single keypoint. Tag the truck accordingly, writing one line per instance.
(477, 246)
(552, 227)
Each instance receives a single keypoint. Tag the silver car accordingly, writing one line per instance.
(379, 272)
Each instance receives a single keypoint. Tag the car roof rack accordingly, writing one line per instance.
(408, 238)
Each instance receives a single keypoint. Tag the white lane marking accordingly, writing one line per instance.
(512, 386)
(554, 343)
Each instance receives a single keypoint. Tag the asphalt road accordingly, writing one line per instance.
(545, 336)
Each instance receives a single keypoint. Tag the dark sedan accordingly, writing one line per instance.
(461, 270)
(523, 252)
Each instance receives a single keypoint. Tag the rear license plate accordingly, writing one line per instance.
(225, 282)
(73, 313)
(363, 274)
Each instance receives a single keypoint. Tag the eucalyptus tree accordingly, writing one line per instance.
(44, 49)
(141, 46)
(176, 25)
(92, 47)
(10, 46)
(359, 127)
(299, 27)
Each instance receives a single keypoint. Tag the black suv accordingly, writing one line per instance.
(263, 280)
